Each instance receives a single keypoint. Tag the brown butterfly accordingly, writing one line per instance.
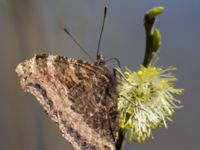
(79, 96)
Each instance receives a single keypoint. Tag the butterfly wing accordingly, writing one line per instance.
(78, 96)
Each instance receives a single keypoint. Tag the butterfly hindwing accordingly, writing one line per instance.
(80, 97)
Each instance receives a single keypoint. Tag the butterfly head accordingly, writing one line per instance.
(100, 60)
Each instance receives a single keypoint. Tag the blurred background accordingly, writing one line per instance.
(28, 27)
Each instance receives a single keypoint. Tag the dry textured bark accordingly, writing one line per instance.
(78, 96)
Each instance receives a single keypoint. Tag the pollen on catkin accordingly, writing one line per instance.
(146, 100)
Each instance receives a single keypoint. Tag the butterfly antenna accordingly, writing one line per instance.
(99, 42)
(75, 41)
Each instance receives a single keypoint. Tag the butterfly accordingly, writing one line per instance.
(80, 97)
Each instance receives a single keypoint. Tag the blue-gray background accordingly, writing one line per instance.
(35, 26)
